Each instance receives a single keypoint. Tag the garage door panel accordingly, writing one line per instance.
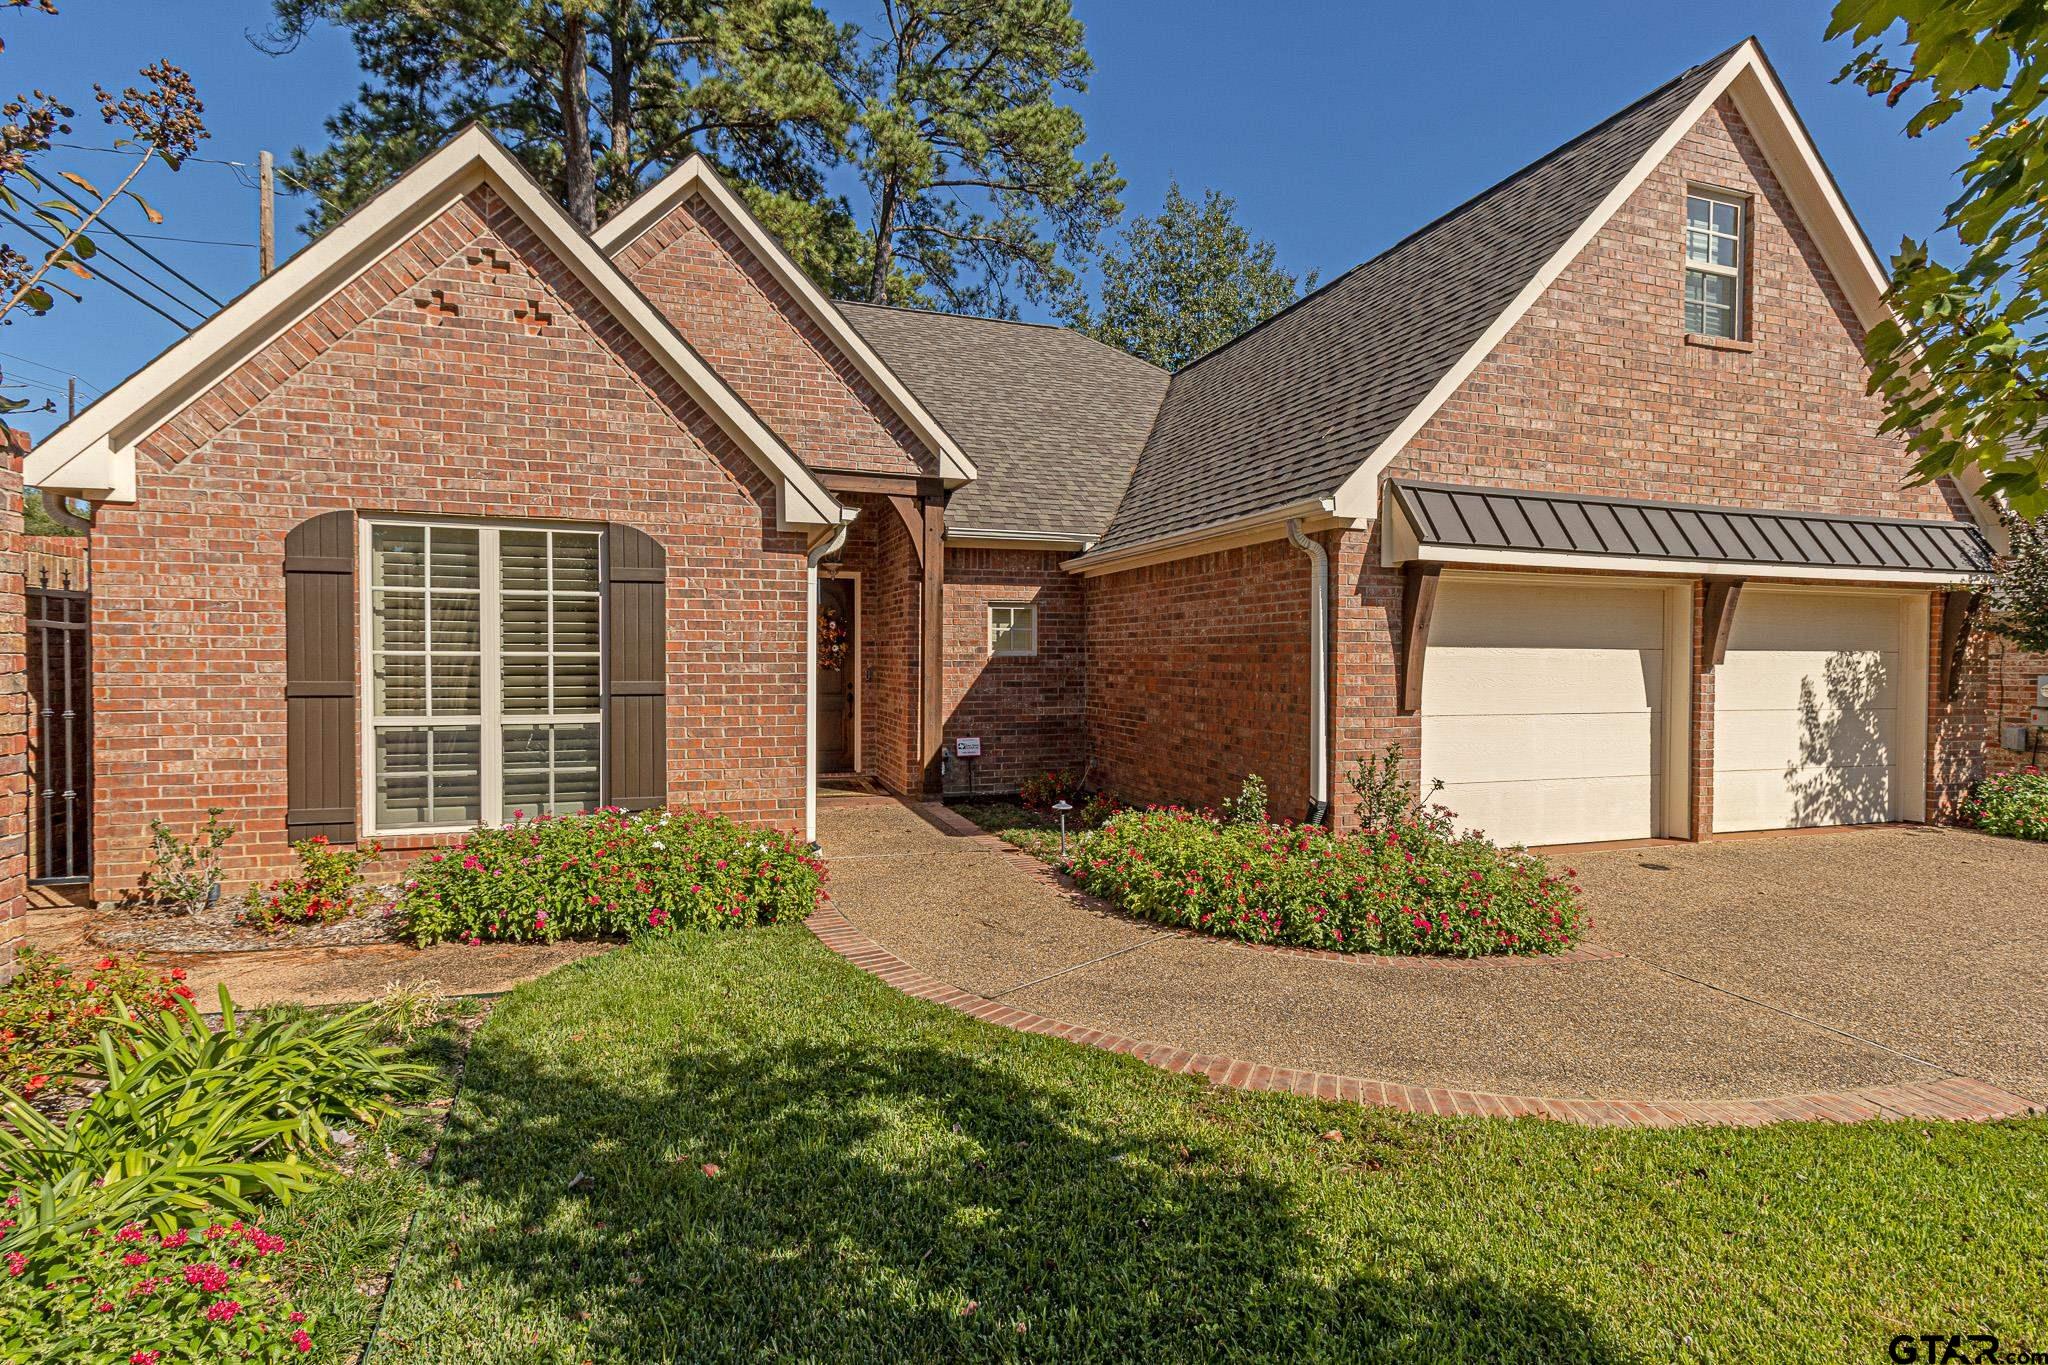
(1554, 812)
(1525, 748)
(1824, 622)
(1754, 740)
(1770, 799)
(1863, 678)
(1473, 612)
(1481, 681)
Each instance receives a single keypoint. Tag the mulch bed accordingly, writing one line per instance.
(217, 930)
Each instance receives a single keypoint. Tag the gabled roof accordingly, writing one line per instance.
(1306, 409)
(1054, 418)
(696, 176)
(94, 454)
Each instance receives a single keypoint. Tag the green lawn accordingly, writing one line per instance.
(738, 1147)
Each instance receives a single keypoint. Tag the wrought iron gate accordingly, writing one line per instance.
(60, 735)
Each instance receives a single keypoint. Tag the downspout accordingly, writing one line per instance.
(819, 553)
(1318, 672)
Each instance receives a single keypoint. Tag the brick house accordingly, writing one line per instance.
(1575, 493)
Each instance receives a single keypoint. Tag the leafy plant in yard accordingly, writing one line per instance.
(1412, 888)
(193, 1116)
(185, 875)
(50, 1008)
(2012, 804)
(1386, 796)
(193, 1291)
(1042, 792)
(609, 872)
(1248, 807)
(329, 887)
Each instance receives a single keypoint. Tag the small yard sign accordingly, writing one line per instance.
(967, 746)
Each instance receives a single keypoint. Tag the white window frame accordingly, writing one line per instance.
(492, 721)
(993, 608)
(1739, 272)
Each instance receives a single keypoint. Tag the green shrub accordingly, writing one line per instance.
(193, 1291)
(185, 875)
(609, 872)
(193, 1117)
(2013, 804)
(1386, 797)
(1413, 888)
(1248, 807)
(329, 887)
(50, 1008)
(1040, 793)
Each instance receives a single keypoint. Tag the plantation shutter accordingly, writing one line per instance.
(320, 678)
(636, 670)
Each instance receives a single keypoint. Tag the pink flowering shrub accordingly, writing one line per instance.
(146, 1296)
(2012, 804)
(609, 872)
(1413, 887)
(329, 887)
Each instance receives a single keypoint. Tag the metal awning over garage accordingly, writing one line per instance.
(1453, 523)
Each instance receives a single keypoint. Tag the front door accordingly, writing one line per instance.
(836, 684)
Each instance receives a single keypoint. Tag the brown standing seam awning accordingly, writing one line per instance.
(1455, 517)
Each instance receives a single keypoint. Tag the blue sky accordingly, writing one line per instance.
(1338, 127)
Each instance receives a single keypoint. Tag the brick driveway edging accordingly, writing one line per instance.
(1949, 1097)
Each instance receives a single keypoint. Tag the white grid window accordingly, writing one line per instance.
(1013, 631)
(1713, 265)
(483, 657)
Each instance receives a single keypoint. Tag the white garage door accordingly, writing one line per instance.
(1543, 708)
(1807, 726)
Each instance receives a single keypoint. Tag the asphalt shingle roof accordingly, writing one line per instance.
(1053, 419)
(1290, 409)
(1459, 517)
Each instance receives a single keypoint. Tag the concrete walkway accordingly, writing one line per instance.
(1661, 1017)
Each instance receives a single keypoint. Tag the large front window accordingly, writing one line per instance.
(484, 691)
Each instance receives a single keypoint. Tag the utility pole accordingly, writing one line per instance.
(71, 398)
(266, 237)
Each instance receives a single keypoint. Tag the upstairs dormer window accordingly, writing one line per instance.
(1714, 265)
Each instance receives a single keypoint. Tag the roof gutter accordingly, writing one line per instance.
(1318, 672)
(1273, 520)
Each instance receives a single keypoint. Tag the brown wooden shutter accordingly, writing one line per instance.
(320, 678)
(636, 670)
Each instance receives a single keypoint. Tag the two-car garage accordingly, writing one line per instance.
(1558, 709)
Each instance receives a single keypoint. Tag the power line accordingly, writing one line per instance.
(101, 253)
(83, 382)
(105, 279)
(178, 275)
(195, 241)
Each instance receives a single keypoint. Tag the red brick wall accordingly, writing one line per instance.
(13, 716)
(1198, 674)
(378, 404)
(1595, 390)
(880, 551)
(1027, 712)
(698, 272)
(2010, 677)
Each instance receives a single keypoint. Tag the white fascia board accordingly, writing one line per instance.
(1253, 527)
(96, 451)
(978, 539)
(619, 231)
(1747, 79)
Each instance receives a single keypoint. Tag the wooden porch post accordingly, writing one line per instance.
(931, 671)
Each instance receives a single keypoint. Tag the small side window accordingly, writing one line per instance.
(1012, 631)
(1715, 259)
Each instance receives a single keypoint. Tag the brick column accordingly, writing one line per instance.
(1701, 780)
(13, 716)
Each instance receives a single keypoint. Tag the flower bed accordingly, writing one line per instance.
(609, 872)
(49, 1008)
(149, 1296)
(2013, 804)
(329, 887)
(1413, 888)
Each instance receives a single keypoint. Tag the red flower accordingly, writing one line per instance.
(222, 1310)
(300, 1341)
(145, 1358)
(16, 1264)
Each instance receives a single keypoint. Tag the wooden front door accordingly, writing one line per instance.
(836, 683)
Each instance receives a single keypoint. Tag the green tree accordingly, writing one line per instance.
(1177, 286)
(969, 158)
(2019, 594)
(595, 97)
(1963, 363)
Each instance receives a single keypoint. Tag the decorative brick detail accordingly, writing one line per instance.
(435, 303)
(698, 272)
(366, 404)
(1949, 1097)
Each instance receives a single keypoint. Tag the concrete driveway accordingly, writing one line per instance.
(1745, 969)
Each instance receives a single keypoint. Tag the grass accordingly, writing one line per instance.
(1036, 834)
(738, 1147)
